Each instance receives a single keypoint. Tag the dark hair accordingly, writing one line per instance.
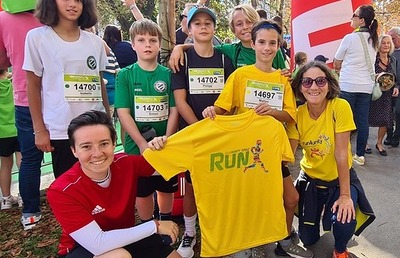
(92, 117)
(299, 58)
(47, 13)
(143, 26)
(333, 83)
(112, 35)
(367, 12)
(262, 13)
(268, 25)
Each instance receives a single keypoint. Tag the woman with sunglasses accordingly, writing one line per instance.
(327, 184)
(354, 59)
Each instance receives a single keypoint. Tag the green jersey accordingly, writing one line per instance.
(149, 97)
(242, 56)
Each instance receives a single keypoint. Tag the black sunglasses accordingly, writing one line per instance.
(355, 15)
(307, 82)
(182, 16)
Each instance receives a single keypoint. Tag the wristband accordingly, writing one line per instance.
(39, 131)
(132, 6)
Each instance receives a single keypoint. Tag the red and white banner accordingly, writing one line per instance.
(318, 26)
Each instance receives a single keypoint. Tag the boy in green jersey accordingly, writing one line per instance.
(146, 108)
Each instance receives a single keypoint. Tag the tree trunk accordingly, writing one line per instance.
(167, 24)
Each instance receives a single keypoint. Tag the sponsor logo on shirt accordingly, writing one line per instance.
(98, 209)
(238, 159)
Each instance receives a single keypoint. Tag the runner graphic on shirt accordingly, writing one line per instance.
(256, 150)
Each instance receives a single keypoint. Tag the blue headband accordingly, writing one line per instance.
(268, 26)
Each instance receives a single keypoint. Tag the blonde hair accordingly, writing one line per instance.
(249, 12)
(380, 39)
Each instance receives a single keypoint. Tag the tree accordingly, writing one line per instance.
(387, 14)
(167, 24)
(113, 12)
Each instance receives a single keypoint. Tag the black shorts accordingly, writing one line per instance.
(148, 185)
(62, 157)
(8, 146)
(151, 246)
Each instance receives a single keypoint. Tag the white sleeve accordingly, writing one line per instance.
(344, 45)
(95, 240)
(32, 58)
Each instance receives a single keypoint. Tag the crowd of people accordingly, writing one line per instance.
(229, 116)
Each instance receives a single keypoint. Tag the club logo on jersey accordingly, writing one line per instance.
(160, 86)
(237, 159)
(91, 62)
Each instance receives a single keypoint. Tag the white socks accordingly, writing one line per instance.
(190, 225)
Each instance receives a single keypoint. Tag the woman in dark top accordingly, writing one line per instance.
(381, 112)
(122, 49)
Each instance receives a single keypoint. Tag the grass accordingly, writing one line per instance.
(43, 239)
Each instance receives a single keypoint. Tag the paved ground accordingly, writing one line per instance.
(380, 177)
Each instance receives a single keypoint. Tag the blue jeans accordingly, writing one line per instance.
(342, 232)
(29, 172)
(359, 103)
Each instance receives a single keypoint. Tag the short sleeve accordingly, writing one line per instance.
(180, 147)
(289, 101)
(178, 79)
(344, 45)
(226, 97)
(343, 116)
(32, 60)
(68, 218)
(287, 152)
(122, 90)
(291, 131)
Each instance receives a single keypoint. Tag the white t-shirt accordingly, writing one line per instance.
(50, 57)
(355, 75)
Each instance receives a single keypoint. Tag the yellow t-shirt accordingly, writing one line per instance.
(317, 138)
(235, 166)
(248, 84)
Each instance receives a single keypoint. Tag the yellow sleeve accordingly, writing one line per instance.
(287, 153)
(291, 131)
(226, 98)
(343, 116)
(289, 101)
(175, 157)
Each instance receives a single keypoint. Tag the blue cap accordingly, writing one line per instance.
(200, 9)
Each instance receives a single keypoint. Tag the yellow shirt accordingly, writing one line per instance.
(237, 90)
(317, 138)
(235, 166)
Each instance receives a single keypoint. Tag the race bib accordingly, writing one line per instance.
(206, 80)
(151, 108)
(270, 93)
(81, 87)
